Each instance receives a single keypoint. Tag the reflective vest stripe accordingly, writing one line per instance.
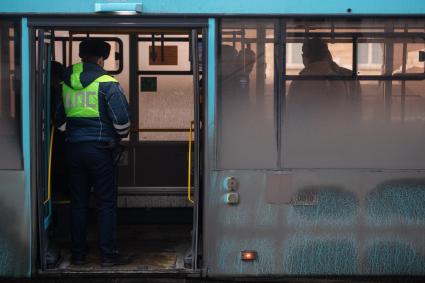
(105, 79)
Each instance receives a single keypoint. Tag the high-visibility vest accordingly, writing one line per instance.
(82, 102)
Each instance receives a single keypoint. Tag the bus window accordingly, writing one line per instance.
(246, 134)
(357, 100)
(10, 106)
(340, 52)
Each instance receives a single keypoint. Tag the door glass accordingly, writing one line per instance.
(169, 107)
(166, 99)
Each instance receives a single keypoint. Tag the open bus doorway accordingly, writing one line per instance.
(160, 72)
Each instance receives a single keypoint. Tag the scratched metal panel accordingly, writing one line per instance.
(14, 225)
(334, 222)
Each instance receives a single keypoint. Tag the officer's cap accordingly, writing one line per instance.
(94, 47)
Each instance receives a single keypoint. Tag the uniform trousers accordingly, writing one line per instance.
(92, 164)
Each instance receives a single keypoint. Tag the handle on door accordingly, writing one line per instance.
(49, 166)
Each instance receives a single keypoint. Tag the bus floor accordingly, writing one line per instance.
(152, 247)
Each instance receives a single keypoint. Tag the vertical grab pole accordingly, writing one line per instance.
(189, 163)
(47, 121)
(134, 101)
(70, 48)
(53, 43)
(389, 66)
(49, 167)
(40, 180)
(403, 82)
(195, 69)
(280, 87)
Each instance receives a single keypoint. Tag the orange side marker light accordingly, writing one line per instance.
(248, 255)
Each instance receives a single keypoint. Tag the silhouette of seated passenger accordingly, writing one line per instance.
(325, 101)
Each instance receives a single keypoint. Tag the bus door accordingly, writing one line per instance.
(161, 162)
(43, 137)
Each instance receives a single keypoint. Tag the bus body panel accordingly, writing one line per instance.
(333, 222)
(15, 224)
(343, 222)
(223, 7)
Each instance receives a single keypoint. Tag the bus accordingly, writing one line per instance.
(268, 138)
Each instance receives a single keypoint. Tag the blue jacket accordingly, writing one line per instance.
(113, 122)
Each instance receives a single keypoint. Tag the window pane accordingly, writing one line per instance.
(294, 53)
(169, 107)
(294, 60)
(10, 141)
(377, 53)
(409, 52)
(344, 123)
(111, 63)
(401, 55)
(299, 49)
(363, 53)
(172, 56)
(247, 136)
(370, 57)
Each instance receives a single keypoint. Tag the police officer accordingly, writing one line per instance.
(95, 115)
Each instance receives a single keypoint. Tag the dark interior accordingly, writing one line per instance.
(157, 232)
(157, 239)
